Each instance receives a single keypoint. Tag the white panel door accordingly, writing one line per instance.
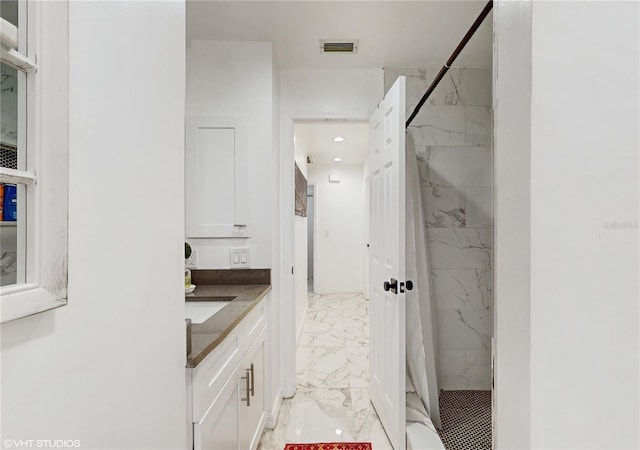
(387, 262)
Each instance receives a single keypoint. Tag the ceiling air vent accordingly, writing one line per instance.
(338, 45)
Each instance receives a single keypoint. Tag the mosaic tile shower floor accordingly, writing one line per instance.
(466, 420)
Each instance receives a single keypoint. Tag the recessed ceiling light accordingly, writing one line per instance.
(338, 139)
(337, 159)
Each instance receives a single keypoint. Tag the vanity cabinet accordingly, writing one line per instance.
(255, 410)
(227, 389)
(220, 427)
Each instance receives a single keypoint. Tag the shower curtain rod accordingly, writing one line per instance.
(467, 37)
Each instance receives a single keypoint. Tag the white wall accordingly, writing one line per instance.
(512, 165)
(351, 93)
(584, 266)
(235, 79)
(339, 211)
(366, 237)
(108, 369)
(274, 341)
(582, 359)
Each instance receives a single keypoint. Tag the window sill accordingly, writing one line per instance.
(26, 301)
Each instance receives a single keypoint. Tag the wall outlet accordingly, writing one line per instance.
(239, 258)
(192, 261)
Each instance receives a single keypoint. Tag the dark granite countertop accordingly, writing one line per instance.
(208, 335)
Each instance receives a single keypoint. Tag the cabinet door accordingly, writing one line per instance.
(216, 177)
(220, 427)
(254, 413)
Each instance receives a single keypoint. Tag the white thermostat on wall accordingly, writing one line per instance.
(334, 178)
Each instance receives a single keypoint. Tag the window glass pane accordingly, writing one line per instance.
(9, 117)
(12, 197)
(9, 11)
(9, 234)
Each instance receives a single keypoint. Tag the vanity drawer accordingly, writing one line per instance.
(213, 372)
(254, 323)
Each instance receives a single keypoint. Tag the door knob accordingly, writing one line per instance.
(391, 285)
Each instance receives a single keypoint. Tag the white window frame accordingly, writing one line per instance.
(46, 179)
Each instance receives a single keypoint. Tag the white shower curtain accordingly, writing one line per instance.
(421, 332)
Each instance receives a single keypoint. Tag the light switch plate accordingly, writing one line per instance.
(192, 260)
(239, 258)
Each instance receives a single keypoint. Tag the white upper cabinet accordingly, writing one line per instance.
(216, 177)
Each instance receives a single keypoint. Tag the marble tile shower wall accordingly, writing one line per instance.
(452, 134)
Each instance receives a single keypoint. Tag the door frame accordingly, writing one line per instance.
(313, 243)
(287, 191)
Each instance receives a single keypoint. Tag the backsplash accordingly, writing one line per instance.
(231, 277)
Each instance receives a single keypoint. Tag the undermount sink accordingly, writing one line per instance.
(200, 311)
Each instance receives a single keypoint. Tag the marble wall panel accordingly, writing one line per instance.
(478, 207)
(478, 126)
(453, 138)
(440, 125)
(443, 207)
(464, 329)
(465, 86)
(448, 92)
(475, 86)
(463, 288)
(480, 289)
(452, 248)
(478, 373)
(416, 84)
(450, 288)
(460, 166)
(465, 369)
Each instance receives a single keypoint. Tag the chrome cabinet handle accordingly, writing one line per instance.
(248, 397)
(252, 384)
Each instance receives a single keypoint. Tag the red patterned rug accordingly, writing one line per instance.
(330, 446)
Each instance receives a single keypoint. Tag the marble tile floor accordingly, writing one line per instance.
(331, 403)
